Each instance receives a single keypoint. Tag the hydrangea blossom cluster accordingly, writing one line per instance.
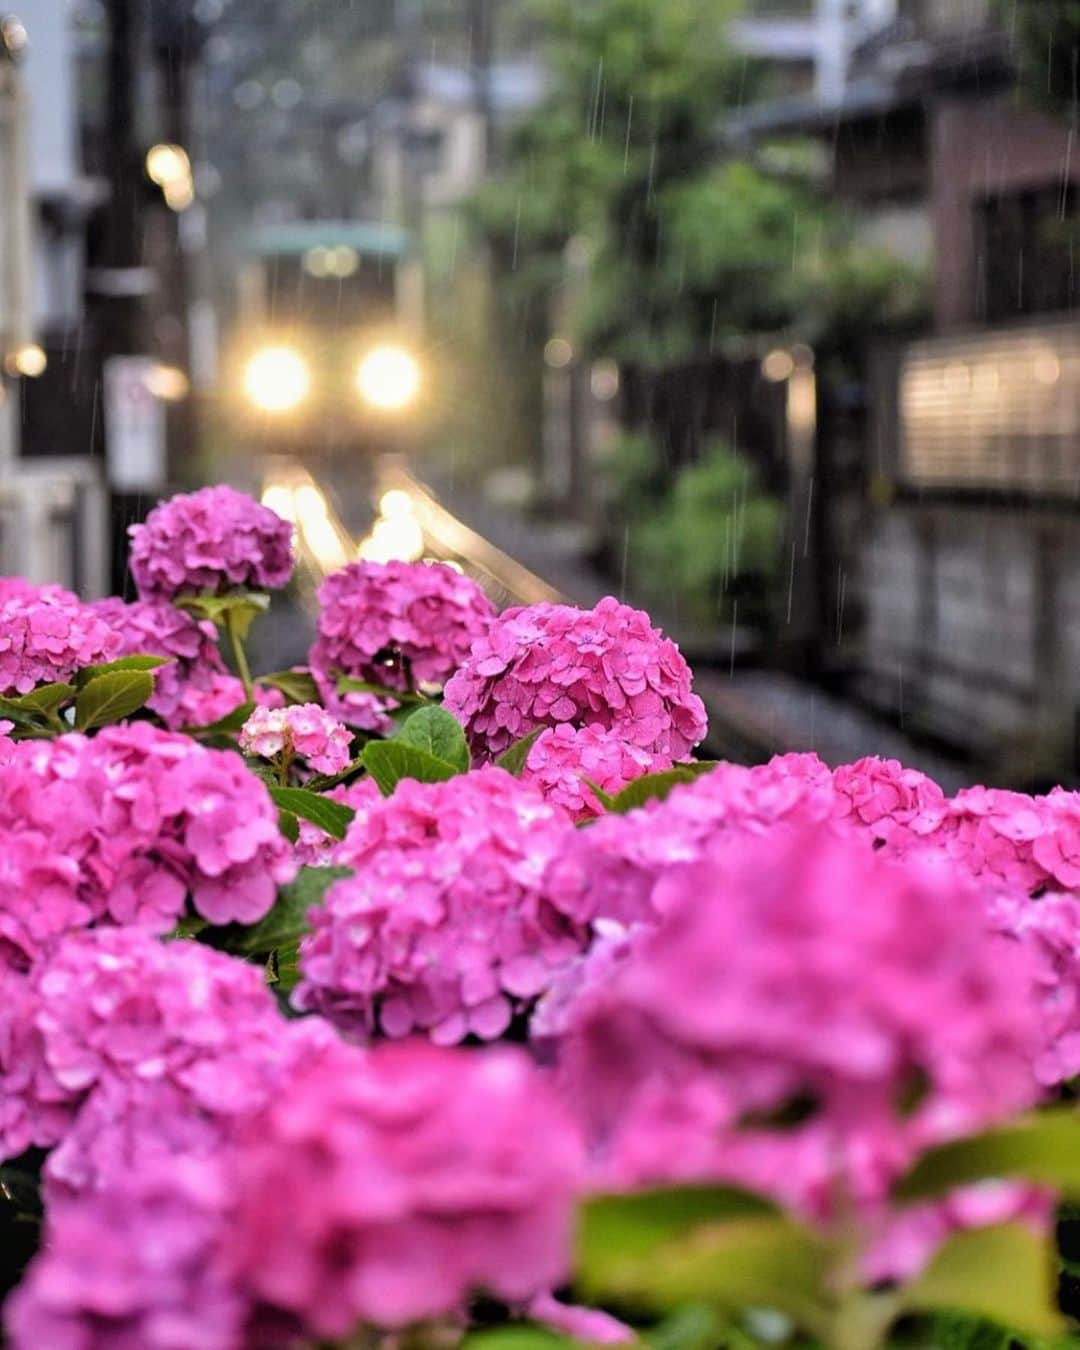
(156, 628)
(211, 540)
(46, 637)
(1049, 929)
(900, 807)
(444, 926)
(545, 664)
(397, 623)
(117, 1006)
(120, 828)
(563, 760)
(610, 871)
(417, 1175)
(205, 701)
(303, 730)
(134, 1266)
(802, 1021)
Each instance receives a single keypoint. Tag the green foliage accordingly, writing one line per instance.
(437, 733)
(235, 611)
(389, 762)
(685, 1251)
(287, 920)
(1044, 1147)
(712, 537)
(330, 816)
(1049, 49)
(298, 686)
(650, 787)
(513, 759)
(111, 697)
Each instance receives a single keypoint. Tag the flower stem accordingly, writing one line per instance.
(239, 656)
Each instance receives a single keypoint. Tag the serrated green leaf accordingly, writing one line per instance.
(228, 725)
(649, 788)
(137, 661)
(1043, 1147)
(1004, 1274)
(110, 698)
(513, 759)
(46, 698)
(298, 686)
(330, 816)
(439, 734)
(287, 920)
(389, 762)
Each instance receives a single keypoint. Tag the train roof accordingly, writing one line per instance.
(371, 239)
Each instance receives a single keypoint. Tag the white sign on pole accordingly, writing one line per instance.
(134, 425)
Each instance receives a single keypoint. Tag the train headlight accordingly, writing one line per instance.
(388, 378)
(277, 379)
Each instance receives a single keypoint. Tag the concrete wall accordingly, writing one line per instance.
(973, 620)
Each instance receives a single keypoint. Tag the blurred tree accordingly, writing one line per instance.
(1049, 49)
(686, 248)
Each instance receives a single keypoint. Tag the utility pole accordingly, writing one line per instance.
(117, 281)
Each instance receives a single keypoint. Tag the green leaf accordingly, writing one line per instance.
(16, 711)
(389, 762)
(228, 725)
(620, 1228)
(1043, 1147)
(697, 767)
(439, 734)
(46, 698)
(651, 787)
(717, 1246)
(137, 661)
(287, 921)
(289, 825)
(1004, 1274)
(330, 816)
(240, 608)
(347, 685)
(298, 686)
(110, 698)
(519, 1336)
(513, 759)
(606, 800)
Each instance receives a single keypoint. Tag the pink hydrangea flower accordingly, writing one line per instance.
(897, 805)
(117, 1005)
(610, 871)
(136, 1266)
(18, 588)
(121, 828)
(416, 1176)
(1049, 929)
(444, 926)
(211, 540)
(397, 623)
(156, 628)
(542, 665)
(45, 638)
(203, 702)
(563, 760)
(806, 1017)
(304, 730)
(134, 1120)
